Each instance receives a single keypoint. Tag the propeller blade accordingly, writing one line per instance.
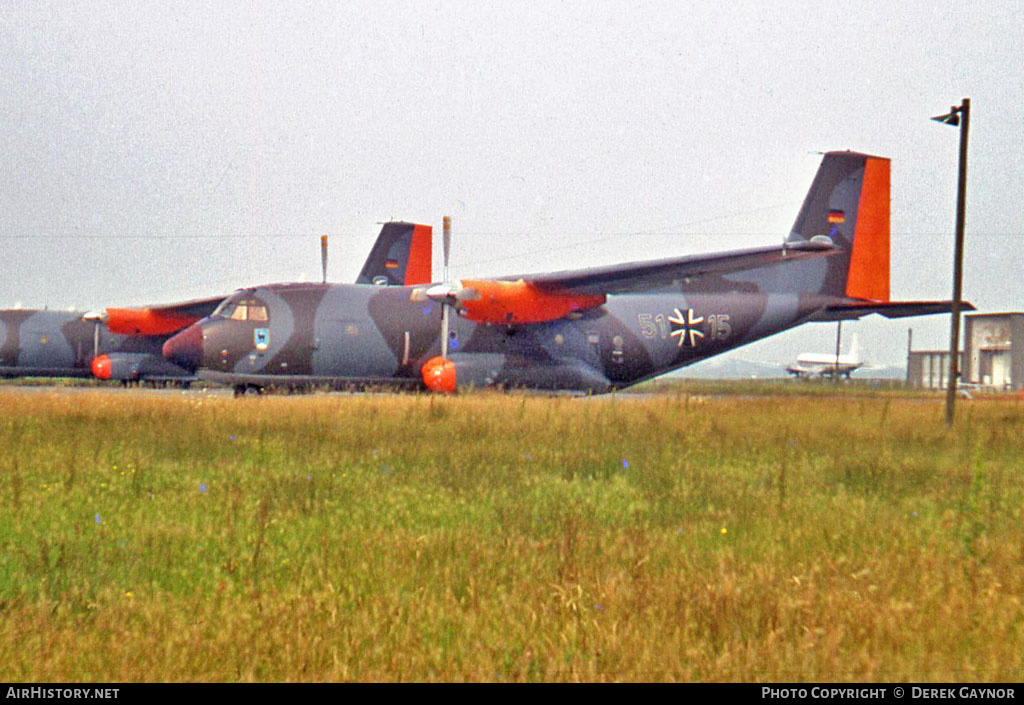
(97, 318)
(444, 331)
(323, 256)
(447, 242)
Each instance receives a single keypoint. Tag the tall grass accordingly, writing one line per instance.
(487, 537)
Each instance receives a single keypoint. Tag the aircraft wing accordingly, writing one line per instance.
(891, 309)
(656, 274)
(198, 308)
(537, 298)
(157, 320)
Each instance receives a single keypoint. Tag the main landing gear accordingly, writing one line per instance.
(248, 390)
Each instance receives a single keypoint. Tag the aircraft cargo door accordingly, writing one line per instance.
(348, 342)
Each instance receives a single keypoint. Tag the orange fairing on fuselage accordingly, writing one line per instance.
(145, 321)
(521, 302)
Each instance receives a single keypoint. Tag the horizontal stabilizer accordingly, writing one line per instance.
(891, 309)
(658, 274)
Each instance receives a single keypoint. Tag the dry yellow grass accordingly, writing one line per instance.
(151, 537)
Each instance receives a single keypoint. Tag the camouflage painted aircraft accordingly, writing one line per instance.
(125, 343)
(116, 343)
(591, 330)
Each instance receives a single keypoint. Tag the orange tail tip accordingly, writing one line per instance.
(869, 262)
(417, 271)
(439, 375)
(101, 367)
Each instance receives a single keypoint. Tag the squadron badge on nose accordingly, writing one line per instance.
(261, 338)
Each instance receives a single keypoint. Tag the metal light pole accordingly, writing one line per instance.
(957, 116)
(839, 338)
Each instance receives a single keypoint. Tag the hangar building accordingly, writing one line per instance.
(928, 369)
(990, 359)
(994, 350)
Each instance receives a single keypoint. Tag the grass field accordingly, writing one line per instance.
(171, 536)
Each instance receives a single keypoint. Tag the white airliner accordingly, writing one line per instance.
(826, 364)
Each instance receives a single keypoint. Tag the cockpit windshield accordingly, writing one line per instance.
(219, 311)
(247, 309)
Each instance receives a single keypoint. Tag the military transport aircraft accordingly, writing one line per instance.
(590, 330)
(125, 343)
(115, 343)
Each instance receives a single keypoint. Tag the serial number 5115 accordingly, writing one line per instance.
(716, 326)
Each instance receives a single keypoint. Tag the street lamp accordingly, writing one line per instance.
(957, 116)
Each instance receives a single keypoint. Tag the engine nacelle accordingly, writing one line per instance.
(463, 370)
(145, 321)
(521, 302)
(134, 366)
(507, 302)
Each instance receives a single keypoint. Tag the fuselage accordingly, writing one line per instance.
(828, 360)
(308, 333)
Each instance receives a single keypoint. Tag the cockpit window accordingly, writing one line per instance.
(244, 310)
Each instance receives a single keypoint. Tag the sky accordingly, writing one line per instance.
(155, 152)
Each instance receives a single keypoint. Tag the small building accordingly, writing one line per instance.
(991, 357)
(928, 369)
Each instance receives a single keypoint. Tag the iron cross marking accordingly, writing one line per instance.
(686, 331)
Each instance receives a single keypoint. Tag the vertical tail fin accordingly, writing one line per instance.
(849, 202)
(400, 257)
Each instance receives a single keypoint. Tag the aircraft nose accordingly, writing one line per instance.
(186, 348)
